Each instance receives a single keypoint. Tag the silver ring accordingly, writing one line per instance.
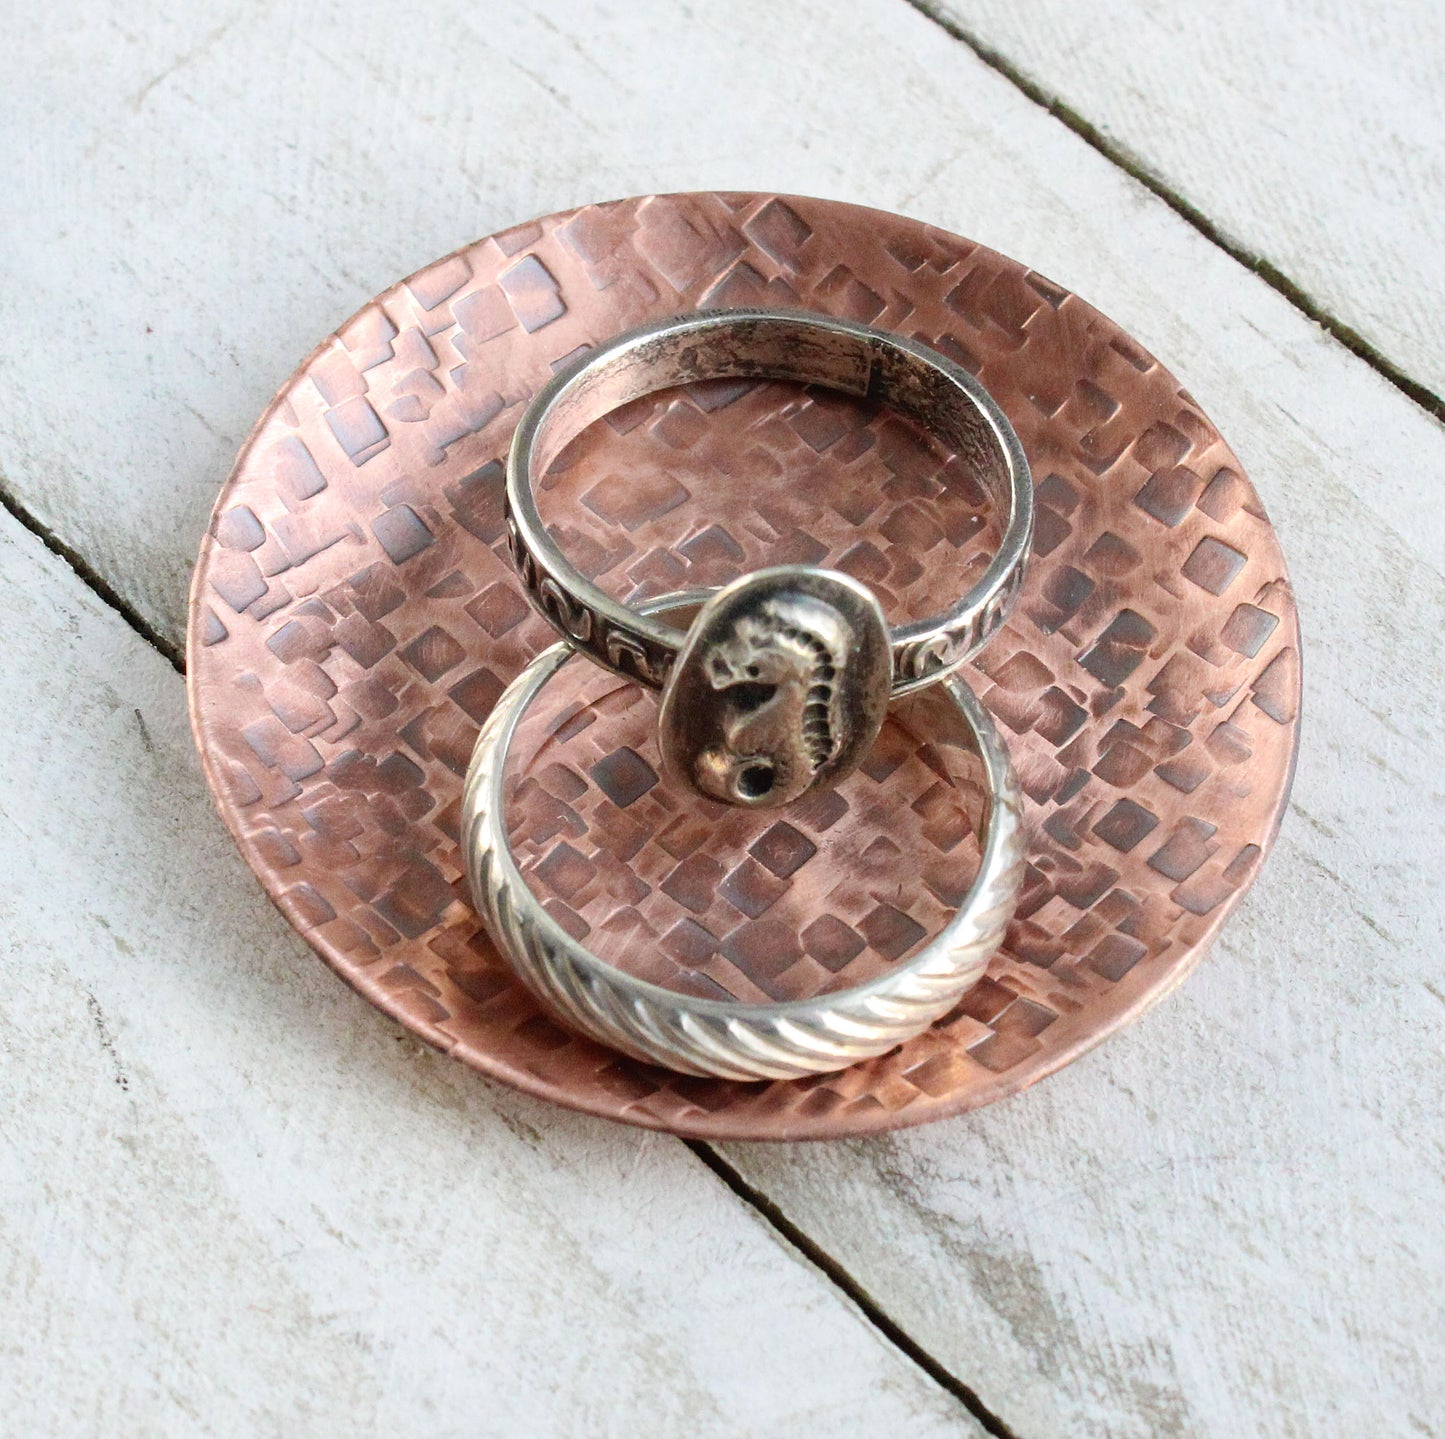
(728, 729)
(808, 349)
(717, 1038)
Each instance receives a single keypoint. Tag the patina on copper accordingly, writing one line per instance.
(355, 614)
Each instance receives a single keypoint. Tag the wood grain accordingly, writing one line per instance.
(1243, 1239)
(1309, 133)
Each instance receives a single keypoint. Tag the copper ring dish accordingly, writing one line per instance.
(355, 616)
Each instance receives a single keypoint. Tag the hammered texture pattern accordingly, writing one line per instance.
(355, 615)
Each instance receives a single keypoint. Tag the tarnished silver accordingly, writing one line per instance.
(781, 684)
(728, 1039)
(727, 732)
(809, 349)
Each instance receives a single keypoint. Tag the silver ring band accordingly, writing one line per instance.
(723, 1039)
(767, 344)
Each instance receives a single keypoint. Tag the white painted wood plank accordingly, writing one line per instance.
(234, 1200)
(1311, 132)
(1223, 1222)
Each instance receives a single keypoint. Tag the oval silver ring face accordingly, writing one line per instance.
(781, 685)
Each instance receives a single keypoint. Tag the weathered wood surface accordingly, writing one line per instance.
(1223, 1222)
(235, 1200)
(1309, 133)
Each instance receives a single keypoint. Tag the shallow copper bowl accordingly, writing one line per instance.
(354, 615)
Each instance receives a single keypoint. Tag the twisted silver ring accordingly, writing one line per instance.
(783, 684)
(726, 1039)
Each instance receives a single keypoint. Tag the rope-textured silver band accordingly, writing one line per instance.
(732, 1040)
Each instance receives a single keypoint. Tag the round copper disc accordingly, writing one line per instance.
(354, 616)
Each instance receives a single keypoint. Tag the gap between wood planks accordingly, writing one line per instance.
(90, 577)
(766, 1209)
(869, 1307)
(1136, 169)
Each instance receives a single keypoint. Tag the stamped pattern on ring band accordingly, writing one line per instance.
(837, 353)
